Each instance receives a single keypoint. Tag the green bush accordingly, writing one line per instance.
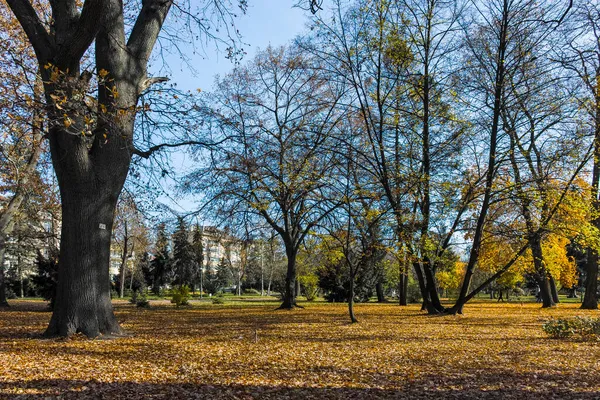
(218, 300)
(310, 286)
(583, 327)
(140, 299)
(252, 292)
(181, 296)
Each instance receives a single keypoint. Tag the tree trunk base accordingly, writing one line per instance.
(101, 323)
(289, 306)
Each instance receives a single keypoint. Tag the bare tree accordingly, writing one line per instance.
(274, 120)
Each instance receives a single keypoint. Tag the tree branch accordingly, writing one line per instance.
(82, 34)
(34, 29)
(147, 27)
(153, 149)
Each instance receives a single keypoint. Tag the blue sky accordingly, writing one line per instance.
(273, 22)
(267, 22)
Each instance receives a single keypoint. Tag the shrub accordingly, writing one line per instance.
(253, 292)
(181, 296)
(218, 300)
(583, 327)
(310, 286)
(140, 299)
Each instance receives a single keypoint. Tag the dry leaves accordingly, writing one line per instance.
(253, 352)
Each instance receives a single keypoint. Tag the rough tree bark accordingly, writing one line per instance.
(91, 166)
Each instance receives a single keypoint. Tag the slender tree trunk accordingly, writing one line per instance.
(201, 280)
(553, 289)
(123, 264)
(541, 273)
(351, 301)
(380, 294)
(131, 280)
(289, 299)
(403, 288)
(3, 300)
(262, 271)
(590, 298)
(434, 298)
(491, 167)
(426, 306)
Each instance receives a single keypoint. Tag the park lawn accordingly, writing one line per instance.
(246, 351)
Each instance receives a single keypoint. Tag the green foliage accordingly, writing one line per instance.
(310, 286)
(47, 276)
(252, 292)
(219, 299)
(583, 327)
(160, 265)
(183, 255)
(140, 298)
(181, 296)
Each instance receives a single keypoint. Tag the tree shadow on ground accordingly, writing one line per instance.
(504, 386)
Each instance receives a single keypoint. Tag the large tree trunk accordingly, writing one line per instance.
(83, 301)
(590, 298)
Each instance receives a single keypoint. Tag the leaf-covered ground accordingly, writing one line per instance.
(254, 352)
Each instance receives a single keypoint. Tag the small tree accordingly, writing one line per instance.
(161, 262)
(47, 275)
(183, 257)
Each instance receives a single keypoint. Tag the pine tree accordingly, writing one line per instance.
(182, 255)
(161, 262)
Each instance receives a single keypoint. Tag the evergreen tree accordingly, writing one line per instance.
(161, 263)
(182, 255)
(46, 277)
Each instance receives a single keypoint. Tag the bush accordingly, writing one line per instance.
(252, 292)
(140, 299)
(47, 277)
(10, 294)
(181, 296)
(218, 300)
(310, 286)
(583, 327)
